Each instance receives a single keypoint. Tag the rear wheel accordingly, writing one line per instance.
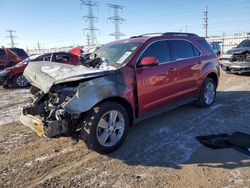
(20, 81)
(207, 94)
(105, 127)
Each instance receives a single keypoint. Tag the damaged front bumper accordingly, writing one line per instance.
(34, 123)
(235, 67)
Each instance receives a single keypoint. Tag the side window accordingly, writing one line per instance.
(184, 49)
(160, 50)
(204, 43)
(61, 57)
(46, 58)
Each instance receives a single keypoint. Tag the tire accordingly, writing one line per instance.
(20, 81)
(207, 94)
(102, 134)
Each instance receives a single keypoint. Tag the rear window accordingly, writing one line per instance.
(19, 52)
(184, 49)
(205, 44)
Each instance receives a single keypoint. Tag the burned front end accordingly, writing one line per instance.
(46, 114)
(61, 96)
(238, 63)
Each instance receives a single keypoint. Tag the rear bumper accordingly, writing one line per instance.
(235, 67)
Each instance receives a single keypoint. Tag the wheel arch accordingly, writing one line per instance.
(213, 76)
(123, 102)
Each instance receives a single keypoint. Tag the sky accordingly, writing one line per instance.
(59, 23)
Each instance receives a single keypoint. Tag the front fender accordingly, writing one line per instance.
(91, 92)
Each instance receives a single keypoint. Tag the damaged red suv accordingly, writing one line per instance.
(122, 82)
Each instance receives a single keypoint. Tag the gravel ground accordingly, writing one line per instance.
(159, 152)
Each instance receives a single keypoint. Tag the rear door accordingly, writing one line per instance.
(156, 84)
(187, 62)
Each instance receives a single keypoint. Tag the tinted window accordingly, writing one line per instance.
(61, 57)
(184, 49)
(45, 57)
(205, 44)
(244, 44)
(19, 52)
(160, 50)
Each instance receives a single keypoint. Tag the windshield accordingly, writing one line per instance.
(113, 55)
(244, 44)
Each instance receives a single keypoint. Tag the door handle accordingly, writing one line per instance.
(172, 69)
(198, 62)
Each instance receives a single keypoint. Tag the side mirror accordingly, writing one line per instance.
(149, 61)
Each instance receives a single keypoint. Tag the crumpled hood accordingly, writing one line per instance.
(44, 75)
(238, 50)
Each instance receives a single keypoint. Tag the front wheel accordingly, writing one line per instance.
(20, 81)
(105, 127)
(207, 94)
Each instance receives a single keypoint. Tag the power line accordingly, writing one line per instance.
(90, 19)
(205, 21)
(116, 20)
(11, 36)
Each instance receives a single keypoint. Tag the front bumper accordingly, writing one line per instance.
(235, 67)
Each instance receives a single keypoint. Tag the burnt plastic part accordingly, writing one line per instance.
(93, 91)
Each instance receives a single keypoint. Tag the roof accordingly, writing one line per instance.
(144, 37)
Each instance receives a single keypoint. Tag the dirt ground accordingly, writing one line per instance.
(159, 152)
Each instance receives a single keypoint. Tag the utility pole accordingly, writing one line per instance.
(38, 47)
(205, 20)
(90, 19)
(11, 36)
(116, 20)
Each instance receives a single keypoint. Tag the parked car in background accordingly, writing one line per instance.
(14, 75)
(11, 56)
(216, 46)
(237, 60)
(123, 82)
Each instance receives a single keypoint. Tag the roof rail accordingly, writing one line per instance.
(180, 34)
(147, 34)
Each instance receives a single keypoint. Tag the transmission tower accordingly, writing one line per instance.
(116, 20)
(205, 21)
(11, 36)
(90, 19)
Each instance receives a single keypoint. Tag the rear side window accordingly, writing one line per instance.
(184, 49)
(205, 44)
(160, 50)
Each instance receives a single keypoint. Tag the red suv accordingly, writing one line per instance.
(122, 82)
(14, 75)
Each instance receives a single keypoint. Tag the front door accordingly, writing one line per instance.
(156, 84)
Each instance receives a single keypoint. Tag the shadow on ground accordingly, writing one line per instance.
(168, 140)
